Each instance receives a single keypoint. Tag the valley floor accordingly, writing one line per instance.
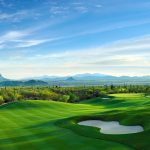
(49, 125)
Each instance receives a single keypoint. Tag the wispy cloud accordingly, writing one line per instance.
(114, 26)
(15, 17)
(18, 39)
(82, 9)
(110, 55)
(13, 35)
(73, 7)
(110, 59)
(30, 43)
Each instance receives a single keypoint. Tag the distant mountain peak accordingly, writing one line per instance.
(70, 79)
(91, 75)
(2, 78)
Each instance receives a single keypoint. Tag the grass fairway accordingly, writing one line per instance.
(48, 125)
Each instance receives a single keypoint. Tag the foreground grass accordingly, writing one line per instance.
(48, 125)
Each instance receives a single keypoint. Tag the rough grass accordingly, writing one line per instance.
(48, 125)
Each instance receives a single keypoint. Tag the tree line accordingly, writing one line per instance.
(66, 94)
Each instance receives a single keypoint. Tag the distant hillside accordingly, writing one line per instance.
(86, 76)
(24, 83)
(2, 78)
(70, 79)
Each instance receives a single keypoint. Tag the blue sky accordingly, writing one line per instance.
(65, 37)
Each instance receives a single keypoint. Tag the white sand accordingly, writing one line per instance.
(112, 127)
(148, 96)
(105, 98)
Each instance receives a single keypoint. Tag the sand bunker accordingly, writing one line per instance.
(148, 96)
(112, 127)
(105, 98)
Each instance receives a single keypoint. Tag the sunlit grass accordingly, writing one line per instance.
(32, 125)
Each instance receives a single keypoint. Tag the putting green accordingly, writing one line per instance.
(48, 125)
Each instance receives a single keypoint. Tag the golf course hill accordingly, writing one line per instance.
(53, 125)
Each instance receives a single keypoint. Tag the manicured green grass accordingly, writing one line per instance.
(48, 125)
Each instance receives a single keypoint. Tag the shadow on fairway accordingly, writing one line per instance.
(112, 102)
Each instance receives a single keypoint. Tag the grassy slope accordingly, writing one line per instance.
(32, 125)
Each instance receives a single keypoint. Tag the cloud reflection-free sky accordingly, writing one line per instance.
(65, 37)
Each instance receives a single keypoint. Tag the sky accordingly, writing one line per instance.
(66, 37)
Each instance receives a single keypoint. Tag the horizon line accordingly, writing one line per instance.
(70, 75)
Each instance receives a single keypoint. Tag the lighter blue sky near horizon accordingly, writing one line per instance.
(65, 37)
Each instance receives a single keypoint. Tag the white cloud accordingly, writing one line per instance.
(74, 7)
(19, 39)
(81, 9)
(19, 15)
(99, 59)
(15, 17)
(29, 43)
(13, 35)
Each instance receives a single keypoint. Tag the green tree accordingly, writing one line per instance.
(64, 98)
(73, 98)
(1, 100)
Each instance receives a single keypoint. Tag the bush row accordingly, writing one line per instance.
(66, 94)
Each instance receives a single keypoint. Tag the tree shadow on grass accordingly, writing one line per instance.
(113, 103)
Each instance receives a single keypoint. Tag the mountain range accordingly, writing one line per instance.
(89, 77)
(86, 76)
(75, 80)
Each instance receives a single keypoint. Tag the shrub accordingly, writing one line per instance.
(73, 98)
(1, 100)
(64, 98)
